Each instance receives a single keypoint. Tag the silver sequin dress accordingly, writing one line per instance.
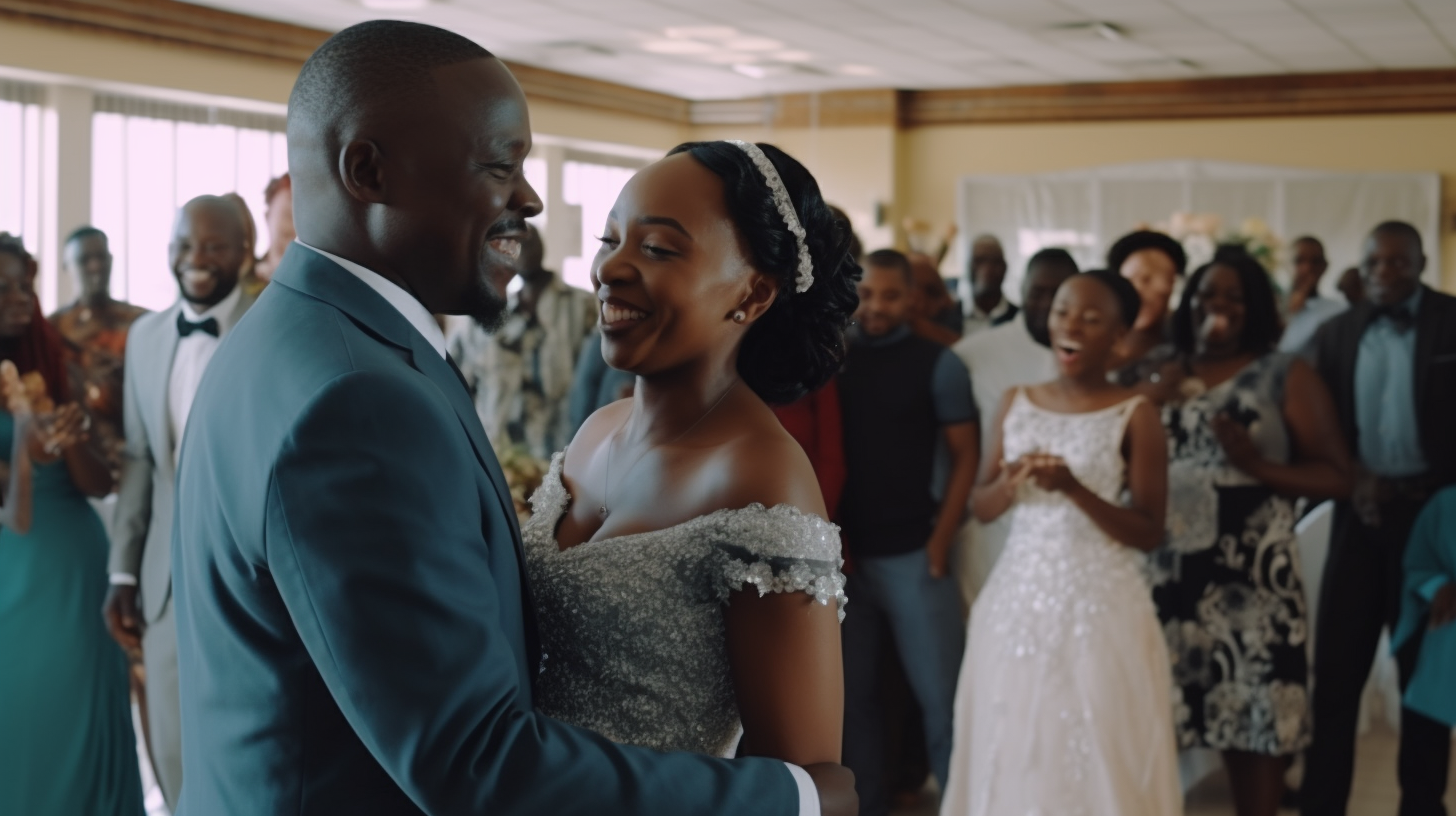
(632, 626)
(1064, 704)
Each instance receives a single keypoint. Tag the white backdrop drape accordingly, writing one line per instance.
(1084, 211)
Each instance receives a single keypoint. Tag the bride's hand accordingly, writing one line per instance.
(1051, 473)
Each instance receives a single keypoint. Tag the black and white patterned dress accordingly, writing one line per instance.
(1227, 582)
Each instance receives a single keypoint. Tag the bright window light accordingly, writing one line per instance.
(20, 169)
(145, 169)
(594, 188)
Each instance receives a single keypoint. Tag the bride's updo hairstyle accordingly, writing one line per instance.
(798, 344)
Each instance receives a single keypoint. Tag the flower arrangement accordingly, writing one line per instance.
(1201, 234)
(524, 474)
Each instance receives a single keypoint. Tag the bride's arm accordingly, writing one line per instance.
(783, 648)
(788, 675)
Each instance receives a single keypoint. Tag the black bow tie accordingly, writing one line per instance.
(1399, 315)
(186, 327)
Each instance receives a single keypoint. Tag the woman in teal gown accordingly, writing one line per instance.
(66, 741)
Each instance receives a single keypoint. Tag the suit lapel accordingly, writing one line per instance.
(157, 413)
(316, 276)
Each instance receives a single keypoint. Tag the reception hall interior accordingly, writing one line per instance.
(1275, 175)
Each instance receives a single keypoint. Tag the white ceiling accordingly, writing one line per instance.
(781, 46)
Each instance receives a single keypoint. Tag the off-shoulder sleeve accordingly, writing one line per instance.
(780, 549)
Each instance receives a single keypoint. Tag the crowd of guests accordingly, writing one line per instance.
(1270, 404)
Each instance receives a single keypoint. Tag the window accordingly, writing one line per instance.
(20, 163)
(148, 159)
(594, 188)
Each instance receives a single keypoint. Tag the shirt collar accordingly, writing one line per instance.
(1001, 309)
(224, 311)
(402, 301)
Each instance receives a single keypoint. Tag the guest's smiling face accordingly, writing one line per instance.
(208, 250)
(1218, 311)
(17, 295)
(672, 269)
(1392, 267)
(1086, 325)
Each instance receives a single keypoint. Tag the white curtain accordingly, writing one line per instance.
(1084, 211)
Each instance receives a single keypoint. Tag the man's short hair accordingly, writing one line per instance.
(379, 59)
(82, 233)
(892, 259)
(1053, 256)
(1403, 229)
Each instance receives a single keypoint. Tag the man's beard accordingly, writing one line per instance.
(487, 306)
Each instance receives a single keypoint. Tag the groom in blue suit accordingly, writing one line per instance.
(355, 631)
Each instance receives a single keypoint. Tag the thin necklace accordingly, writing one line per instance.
(603, 511)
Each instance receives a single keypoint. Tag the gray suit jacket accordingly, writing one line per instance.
(141, 542)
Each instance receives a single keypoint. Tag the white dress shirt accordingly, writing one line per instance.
(190, 361)
(1000, 359)
(978, 321)
(425, 324)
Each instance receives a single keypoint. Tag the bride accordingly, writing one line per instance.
(685, 577)
(1064, 698)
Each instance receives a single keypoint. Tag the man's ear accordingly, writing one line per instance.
(361, 169)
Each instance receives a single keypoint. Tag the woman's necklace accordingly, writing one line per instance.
(604, 510)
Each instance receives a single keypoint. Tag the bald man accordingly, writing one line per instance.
(166, 355)
(355, 632)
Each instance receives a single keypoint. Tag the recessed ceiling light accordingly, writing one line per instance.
(394, 5)
(754, 71)
(701, 32)
(859, 70)
(793, 56)
(676, 47)
(753, 44)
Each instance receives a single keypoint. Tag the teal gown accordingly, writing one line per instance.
(66, 740)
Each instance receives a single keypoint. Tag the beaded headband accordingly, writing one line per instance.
(805, 276)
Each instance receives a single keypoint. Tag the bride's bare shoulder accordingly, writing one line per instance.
(765, 465)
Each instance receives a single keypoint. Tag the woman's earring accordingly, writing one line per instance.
(739, 316)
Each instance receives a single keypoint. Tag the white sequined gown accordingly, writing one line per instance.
(632, 626)
(1064, 704)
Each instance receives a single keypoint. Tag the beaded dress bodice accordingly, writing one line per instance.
(632, 626)
(1057, 561)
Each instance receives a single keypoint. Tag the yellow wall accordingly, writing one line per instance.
(932, 159)
(855, 167)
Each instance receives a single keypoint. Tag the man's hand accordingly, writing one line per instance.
(123, 619)
(1443, 606)
(938, 553)
(837, 796)
(1366, 498)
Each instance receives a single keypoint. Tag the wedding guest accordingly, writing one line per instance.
(1308, 309)
(95, 329)
(1010, 355)
(987, 305)
(522, 372)
(900, 394)
(1352, 286)
(165, 359)
(1428, 608)
(1390, 363)
(1153, 262)
(935, 315)
(1249, 430)
(278, 215)
(68, 745)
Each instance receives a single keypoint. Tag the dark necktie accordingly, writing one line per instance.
(186, 327)
(1399, 316)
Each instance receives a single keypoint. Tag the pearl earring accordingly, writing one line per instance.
(739, 316)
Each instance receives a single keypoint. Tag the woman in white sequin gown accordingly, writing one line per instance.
(686, 582)
(1064, 704)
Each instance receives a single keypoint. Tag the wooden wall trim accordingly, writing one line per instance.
(239, 35)
(1371, 92)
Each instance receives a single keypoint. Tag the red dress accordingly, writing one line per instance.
(814, 423)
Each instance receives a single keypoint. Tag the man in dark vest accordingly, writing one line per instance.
(901, 395)
(1390, 363)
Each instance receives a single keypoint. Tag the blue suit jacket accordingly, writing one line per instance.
(354, 629)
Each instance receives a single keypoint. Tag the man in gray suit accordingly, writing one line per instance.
(166, 355)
